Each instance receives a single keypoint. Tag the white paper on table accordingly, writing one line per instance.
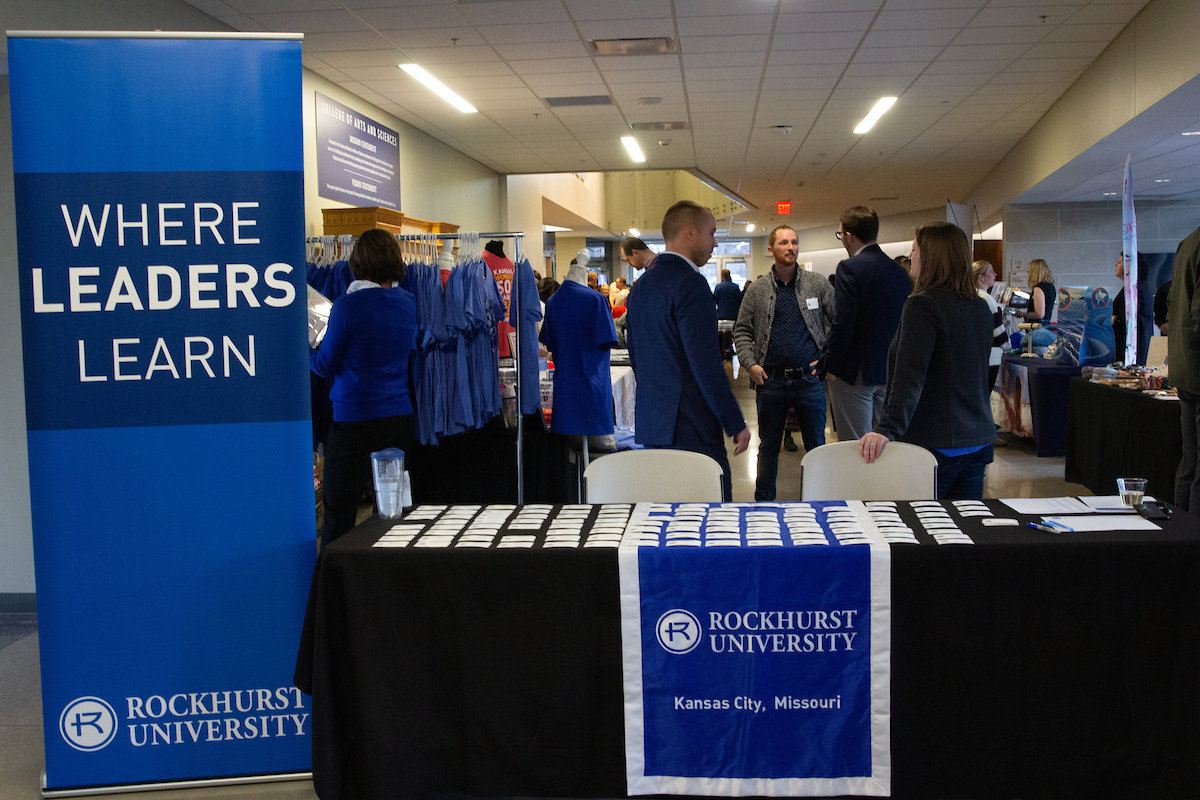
(1111, 503)
(1103, 522)
(1046, 505)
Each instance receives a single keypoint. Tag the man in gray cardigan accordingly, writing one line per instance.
(780, 334)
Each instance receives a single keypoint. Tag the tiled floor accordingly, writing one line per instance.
(1017, 472)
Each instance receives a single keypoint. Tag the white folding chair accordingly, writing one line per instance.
(655, 476)
(837, 472)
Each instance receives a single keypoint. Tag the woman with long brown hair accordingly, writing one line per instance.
(937, 392)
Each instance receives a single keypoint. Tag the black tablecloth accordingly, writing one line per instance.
(1031, 665)
(1121, 433)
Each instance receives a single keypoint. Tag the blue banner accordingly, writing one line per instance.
(756, 652)
(160, 225)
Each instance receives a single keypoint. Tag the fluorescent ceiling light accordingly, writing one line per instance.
(554, 229)
(439, 88)
(635, 152)
(1190, 133)
(749, 227)
(878, 111)
(634, 232)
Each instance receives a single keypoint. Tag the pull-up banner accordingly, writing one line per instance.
(756, 649)
(160, 225)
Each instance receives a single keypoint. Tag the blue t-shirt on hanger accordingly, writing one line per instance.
(530, 313)
(579, 331)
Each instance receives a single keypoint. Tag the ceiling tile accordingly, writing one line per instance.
(890, 54)
(748, 24)
(1049, 65)
(838, 40)
(345, 40)
(650, 76)
(792, 71)
(270, 6)
(1113, 13)
(885, 68)
(981, 67)
(1085, 33)
(628, 28)
(1031, 14)
(362, 58)
(430, 57)
(1012, 34)
(824, 22)
(709, 8)
(914, 19)
(831, 56)
(624, 63)
(708, 60)
(984, 51)
(619, 9)
(723, 44)
(791, 84)
(744, 85)
(928, 36)
(527, 33)
(522, 52)
(724, 73)
(514, 12)
(399, 18)
(311, 21)
(543, 66)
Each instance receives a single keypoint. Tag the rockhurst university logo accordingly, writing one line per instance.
(811, 631)
(88, 724)
(678, 631)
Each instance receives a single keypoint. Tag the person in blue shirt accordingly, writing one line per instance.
(364, 355)
(727, 296)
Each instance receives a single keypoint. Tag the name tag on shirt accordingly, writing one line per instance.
(812, 303)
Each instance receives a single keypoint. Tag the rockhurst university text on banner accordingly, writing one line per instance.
(160, 225)
(756, 670)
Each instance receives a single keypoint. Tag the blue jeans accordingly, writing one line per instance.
(775, 397)
(961, 477)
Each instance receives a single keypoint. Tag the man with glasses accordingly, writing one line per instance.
(869, 293)
(780, 336)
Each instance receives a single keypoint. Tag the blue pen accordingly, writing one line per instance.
(1045, 528)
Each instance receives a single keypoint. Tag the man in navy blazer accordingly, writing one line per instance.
(683, 397)
(869, 291)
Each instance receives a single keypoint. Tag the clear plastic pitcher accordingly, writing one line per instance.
(387, 467)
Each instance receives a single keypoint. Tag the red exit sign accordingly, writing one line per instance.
(783, 209)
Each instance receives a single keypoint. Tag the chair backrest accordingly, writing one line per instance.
(653, 476)
(837, 472)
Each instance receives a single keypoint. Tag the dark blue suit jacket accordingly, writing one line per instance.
(728, 298)
(868, 295)
(681, 382)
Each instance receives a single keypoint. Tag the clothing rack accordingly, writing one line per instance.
(513, 302)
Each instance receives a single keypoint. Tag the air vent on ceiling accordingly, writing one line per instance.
(659, 126)
(634, 47)
(580, 100)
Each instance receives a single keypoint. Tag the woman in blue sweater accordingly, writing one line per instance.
(937, 389)
(364, 356)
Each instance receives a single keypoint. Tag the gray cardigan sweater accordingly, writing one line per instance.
(752, 331)
(937, 389)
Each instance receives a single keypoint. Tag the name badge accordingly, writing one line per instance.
(812, 303)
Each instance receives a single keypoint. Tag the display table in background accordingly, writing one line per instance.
(1042, 384)
(624, 389)
(1027, 665)
(1121, 433)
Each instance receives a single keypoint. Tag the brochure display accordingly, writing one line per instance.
(160, 227)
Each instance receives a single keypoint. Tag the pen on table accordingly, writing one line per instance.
(1045, 528)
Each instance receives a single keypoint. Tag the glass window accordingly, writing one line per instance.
(733, 247)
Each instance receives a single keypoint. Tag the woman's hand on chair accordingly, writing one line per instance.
(871, 445)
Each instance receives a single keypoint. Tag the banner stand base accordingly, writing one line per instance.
(197, 783)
